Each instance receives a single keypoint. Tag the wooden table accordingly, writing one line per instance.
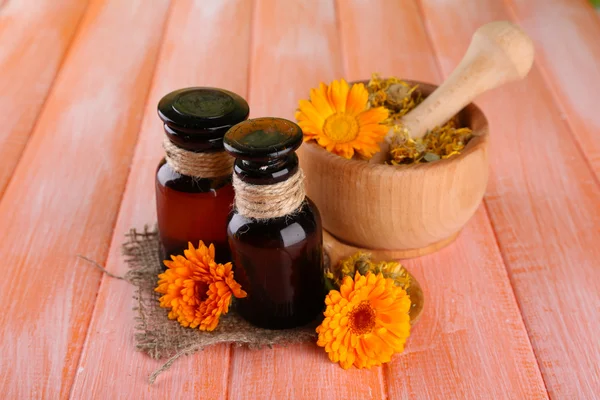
(513, 306)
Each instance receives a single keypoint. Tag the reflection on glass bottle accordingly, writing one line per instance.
(193, 201)
(278, 260)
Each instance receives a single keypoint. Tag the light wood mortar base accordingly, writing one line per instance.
(337, 249)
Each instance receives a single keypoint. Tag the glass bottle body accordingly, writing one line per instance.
(279, 262)
(191, 209)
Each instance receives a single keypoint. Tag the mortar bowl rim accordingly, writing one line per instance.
(471, 114)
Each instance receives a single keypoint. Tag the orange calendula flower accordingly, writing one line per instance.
(338, 118)
(197, 289)
(366, 321)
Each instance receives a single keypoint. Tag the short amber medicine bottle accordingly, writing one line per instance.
(274, 230)
(194, 194)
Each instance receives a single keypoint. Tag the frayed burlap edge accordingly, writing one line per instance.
(160, 337)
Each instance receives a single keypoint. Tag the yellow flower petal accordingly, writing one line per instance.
(320, 100)
(372, 116)
(338, 94)
(357, 99)
(311, 113)
(336, 116)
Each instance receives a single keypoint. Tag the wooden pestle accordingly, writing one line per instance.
(500, 52)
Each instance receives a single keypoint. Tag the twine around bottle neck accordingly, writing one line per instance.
(198, 165)
(262, 202)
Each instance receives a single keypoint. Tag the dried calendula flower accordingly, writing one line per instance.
(393, 94)
(399, 98)
(362, 263)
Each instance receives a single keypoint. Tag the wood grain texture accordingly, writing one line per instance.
(110, 349)
(544, 204)
(29, 61)
(470, 342)
(392, 254)
(295, 46)
(65, 197)
(566, 34)
(65, 192)
(409, 55)
(289, 57)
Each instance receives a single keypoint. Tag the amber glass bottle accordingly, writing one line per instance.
(194, 198)
(278, 260)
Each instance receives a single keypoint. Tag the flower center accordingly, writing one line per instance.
(201, 290)
(362, 319)
(341, 128)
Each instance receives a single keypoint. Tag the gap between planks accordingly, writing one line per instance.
(547, 107)
(509, 6)
(344, 59)
(3, 4)
(39, 377)
(440, 73)
(252, 35)
(179, 67)
(112, 233)
(439, 67)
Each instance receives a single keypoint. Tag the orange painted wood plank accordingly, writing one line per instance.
(295, 45)
(385, 37)
(544, 204)
(34, 37)
(471, 332)
(471, 342)
(109, 354)
(566, 34)
(65, 195)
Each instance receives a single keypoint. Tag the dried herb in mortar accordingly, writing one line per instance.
(399, 97)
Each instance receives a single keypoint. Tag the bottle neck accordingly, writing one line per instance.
(265, 202)
(195, 141)
(197, 164)
(267, 172)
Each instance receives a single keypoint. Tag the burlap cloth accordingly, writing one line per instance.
(160, 337)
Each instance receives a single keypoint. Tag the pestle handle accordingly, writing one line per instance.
(500, 52)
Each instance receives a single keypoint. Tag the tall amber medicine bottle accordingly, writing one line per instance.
(274, 230)
(193, 182)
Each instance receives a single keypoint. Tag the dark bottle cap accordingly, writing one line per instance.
(264, 149)
(196, 119)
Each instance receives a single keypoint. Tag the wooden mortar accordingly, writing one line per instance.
(407, 211)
